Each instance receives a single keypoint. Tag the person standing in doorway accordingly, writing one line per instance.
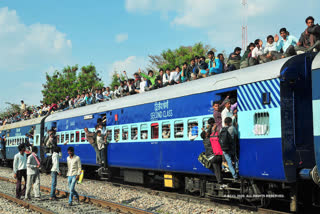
(74, 171)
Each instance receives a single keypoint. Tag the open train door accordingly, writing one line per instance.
(316, 116)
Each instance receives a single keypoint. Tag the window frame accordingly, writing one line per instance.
(122, 131)
(261, 118)
(145, 128)
(165, 123)
(176, 122)
(131, 136)
(193, 120)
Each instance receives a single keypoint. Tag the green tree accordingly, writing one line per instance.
(171, 58)
(70, 82)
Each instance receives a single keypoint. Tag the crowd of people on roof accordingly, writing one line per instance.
(277, 47)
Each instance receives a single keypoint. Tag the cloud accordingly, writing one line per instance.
(131, 65)
(26, 46)
(121, 37)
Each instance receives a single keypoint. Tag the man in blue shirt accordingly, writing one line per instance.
(214, 65)
(287, 43)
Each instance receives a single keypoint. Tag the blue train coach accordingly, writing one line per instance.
(149, 140)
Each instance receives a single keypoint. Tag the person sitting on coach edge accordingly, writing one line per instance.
(234, 60)
(310, 38)
(286, 43)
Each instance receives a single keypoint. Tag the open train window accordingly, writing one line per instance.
(116, 134)
(125, 133)
(261, 123)
(178, 129)
(193, 129)
(166, 132)
(144, 132)
(134, 133)
(154, 130)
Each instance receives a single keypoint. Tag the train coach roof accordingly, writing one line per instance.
(226, 80)
(316, 62)
(21, 124)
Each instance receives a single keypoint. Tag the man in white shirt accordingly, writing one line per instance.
(175, 76)
(166, 77)
(33, 174)
(55, 171)
(74, 171)
(226, 112)
(257, 53)
(101, 145)
(20, 170)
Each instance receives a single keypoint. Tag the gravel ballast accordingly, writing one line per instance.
(139, 199)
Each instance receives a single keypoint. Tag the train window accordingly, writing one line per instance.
(178, 129)
(144, 131)
(125, 133)
(72, 138)
(62, 138)
(193, 129)
(37, 139)
(67, 136)
(154, 130)
(109, 134)
(134, 133)
(261, 123)
(83, 136)
(166, 132)
(77, 136)
(205, 122)
(116, 134)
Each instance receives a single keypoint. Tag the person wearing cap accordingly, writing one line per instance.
(214, 65)
(234, 59)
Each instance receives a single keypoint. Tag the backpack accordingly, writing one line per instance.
(47, 164)
(225, 139)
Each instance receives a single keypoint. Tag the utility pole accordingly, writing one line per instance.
(244, 25)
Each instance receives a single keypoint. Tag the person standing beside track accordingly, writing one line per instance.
(74, 171)
(55, 171)
(20, 170)
(33, 174)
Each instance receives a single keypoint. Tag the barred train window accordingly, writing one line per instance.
(77, 136)
(116, 134)
(178, 129)
(166, 132)
(109, 134)
(72, 138)
(193, 129)
(154, 131)
(83, 136)
(62, 138)
(134, 132)
(125, 133)
(261, 123)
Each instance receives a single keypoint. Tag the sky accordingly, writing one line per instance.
(39, 37)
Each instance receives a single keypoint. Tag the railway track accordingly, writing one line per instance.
(87, 205)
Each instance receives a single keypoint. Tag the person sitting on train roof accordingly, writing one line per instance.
(310, 38)
(175, 76)
(203, 67)
(271, 50)
(108, 94)
(193, 68)
(185, 75)
(257, 54)
(137, 80)
(99, 96)
(224, 65)
(286, 43)
(151, 77)
(159, 79)
(215, 67)
(234, 60)
(166, 77)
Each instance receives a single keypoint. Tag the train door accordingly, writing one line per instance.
(316, 108)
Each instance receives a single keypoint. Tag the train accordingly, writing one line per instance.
(278, 126)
